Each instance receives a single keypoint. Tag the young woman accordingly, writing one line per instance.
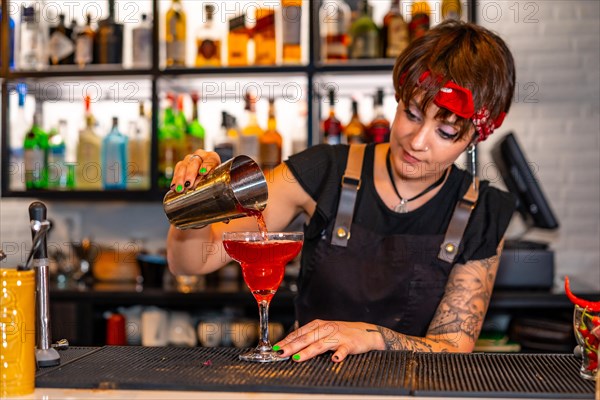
(402, 246)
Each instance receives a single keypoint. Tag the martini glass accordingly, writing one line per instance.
(263, 259)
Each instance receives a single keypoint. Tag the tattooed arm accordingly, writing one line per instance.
(457, 322)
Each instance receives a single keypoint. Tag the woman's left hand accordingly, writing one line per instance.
(341, 337)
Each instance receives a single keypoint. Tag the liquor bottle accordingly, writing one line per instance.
(141, 38)
(176, 25)
(84, 43)
(395, 32)
(270, 142)
(195, 131)
(33, 39)
(57, 157)
(354, 132)
(225, 144)
(291, 11)
(114, 158)
(109, 39)
(237, 42)
(331, 128)
(334, 16)
(379, 128)
(35, 148)
(61, 47)
(249, 140)
(169, 144)
(208, 41)
(419, 24)
(19, 127)
(11, 38)
(138, 166)
(265, 45)
(451, 9)
(364, 35)
(88, 169)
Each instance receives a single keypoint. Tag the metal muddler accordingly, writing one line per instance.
(232, 190)
(45, 355)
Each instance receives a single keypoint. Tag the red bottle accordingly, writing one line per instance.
(379, 128)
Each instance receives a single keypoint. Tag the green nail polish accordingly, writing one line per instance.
(202, 170)
(276, 348)
(296, 357)
(179, 188)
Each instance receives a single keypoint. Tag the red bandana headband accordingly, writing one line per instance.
(459, 100)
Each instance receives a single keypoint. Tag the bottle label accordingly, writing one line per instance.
(397, 39)
(60, 47)
(379, 133)
(335, 47)
(249, 146)
(365, 45)
(142, 46)
(34, 164)
(83, 50)
(418, 26)
(114, 168)
(270, 155)
(176, 51)
(207, 49)
(292, 18)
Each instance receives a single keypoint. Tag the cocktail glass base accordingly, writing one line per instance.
(263, 356)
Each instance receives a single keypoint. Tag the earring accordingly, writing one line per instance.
(472, 152)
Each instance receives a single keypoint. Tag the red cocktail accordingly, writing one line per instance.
(263, 258)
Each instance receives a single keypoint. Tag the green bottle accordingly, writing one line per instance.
(195, 130)
(35, 148)
(170, 149)
(364, 35)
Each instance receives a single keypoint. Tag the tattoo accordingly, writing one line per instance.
(399, 341)
(465, 302)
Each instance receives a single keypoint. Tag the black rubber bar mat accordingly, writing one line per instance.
(218, 369)
(500, 375)
(67, 356)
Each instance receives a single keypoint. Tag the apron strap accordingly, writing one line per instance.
(350, 186)
(458, 223)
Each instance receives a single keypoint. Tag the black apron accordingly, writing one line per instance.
(396, 281)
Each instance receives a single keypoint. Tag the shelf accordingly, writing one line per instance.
(249, 70)
(357, 66)
(237, 294)
(90, 71)
(81, 195)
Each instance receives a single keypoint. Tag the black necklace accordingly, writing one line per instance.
(402, 207)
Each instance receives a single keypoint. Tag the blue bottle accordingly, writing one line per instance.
(11, 38)
(114, 158)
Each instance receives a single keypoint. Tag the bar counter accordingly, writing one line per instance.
(129, 372)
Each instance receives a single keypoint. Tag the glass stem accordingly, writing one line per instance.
(263, 309)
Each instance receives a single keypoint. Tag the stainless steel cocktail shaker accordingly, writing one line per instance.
(234, 189)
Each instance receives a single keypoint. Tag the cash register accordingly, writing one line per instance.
(524, 264)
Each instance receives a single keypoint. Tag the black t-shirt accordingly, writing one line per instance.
(320, 168)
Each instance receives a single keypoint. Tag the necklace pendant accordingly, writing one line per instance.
(402, 207)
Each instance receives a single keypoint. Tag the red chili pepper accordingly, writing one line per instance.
(590, 305)
(592, 355)
(596, 321)
(592, 366)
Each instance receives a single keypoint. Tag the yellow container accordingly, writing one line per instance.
(17, 332)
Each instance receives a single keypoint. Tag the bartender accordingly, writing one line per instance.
(402, 246)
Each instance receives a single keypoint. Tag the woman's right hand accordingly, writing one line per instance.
(192, 168)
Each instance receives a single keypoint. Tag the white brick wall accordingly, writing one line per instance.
(557, 51)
